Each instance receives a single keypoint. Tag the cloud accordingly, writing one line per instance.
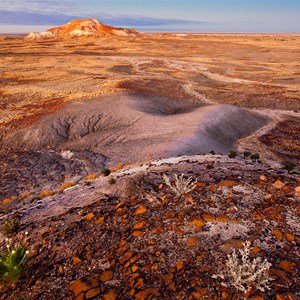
(36, 18)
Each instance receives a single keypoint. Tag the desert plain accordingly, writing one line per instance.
(71, 108)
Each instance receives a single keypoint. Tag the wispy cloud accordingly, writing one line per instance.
(35, 18)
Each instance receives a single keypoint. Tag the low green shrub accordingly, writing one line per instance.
(11, 262)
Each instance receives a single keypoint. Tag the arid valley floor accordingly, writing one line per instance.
(70, 108)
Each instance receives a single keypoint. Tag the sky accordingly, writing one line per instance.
(23, 16)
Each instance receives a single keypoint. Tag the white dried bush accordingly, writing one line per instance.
(182, 185)
(243, 273)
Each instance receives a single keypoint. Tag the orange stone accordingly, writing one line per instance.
(134, 268)
(106, 276)
(168, 278)
(111, 295)
(208, 218)
(278, 184)
(99, 221)
(257, 298)
(278, 234)
(147, 294)
(197, 223)
(297, 191)
(91, 176)
(140, 225)
(92, 293)
(192, 242)
(255, 249)
(137, 233)
(229, 245)
(263, 178)
(180, 264)
(61, 269)
(225, 295)
(227, 182)
(76, 260)
(198, 293)
(222, 218)
(79, 286)
(287, 266)
(140, 210)
(289, 237)
(89, 216)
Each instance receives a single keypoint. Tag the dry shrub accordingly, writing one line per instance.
(66, 185)
(46, 193)
(91, 176)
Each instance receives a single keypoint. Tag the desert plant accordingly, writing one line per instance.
(244, 274)
(11, 262)
(112, 181)
(254, 157)
(182, 185)
(232, 154)
(289, 166)
(11, 227)
(247, 154)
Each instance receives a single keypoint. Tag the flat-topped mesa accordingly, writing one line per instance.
(86, 27)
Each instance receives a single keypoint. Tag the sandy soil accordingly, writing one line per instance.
(118, 99)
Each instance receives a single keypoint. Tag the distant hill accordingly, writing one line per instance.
(79, 28)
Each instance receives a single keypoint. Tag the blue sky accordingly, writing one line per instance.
(155, 15)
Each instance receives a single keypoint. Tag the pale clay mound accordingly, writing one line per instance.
(124, 127)
(79, 28)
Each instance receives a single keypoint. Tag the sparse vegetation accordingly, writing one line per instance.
(91, 176)
(289, 166)
(182, 185)
(112, 181)
(254, 157)
(11, 227)
(11, 262)
(66, 185)
(245, 274)
(232, 154)
(247, 154)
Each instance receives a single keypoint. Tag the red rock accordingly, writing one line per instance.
(89, 216)
(140, 210)
(106, 276)
(287, 266)
(197, 222)
(227, 183)
(263, 178)
(169, 278)
(229, 245)
(278, 234)
(79, 286)
(199, 293)
(208, 218)
(278, 184)
(140, 225)
(289, 237)
(111, 295)
(99, 221)
(297, 191)
(192, 242)
(180, 264)
(76, 260)
(255, 249)
(145, 294)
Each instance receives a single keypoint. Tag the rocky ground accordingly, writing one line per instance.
(136, 239)
(70, 108)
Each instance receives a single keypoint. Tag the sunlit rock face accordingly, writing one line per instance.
(81, 28)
